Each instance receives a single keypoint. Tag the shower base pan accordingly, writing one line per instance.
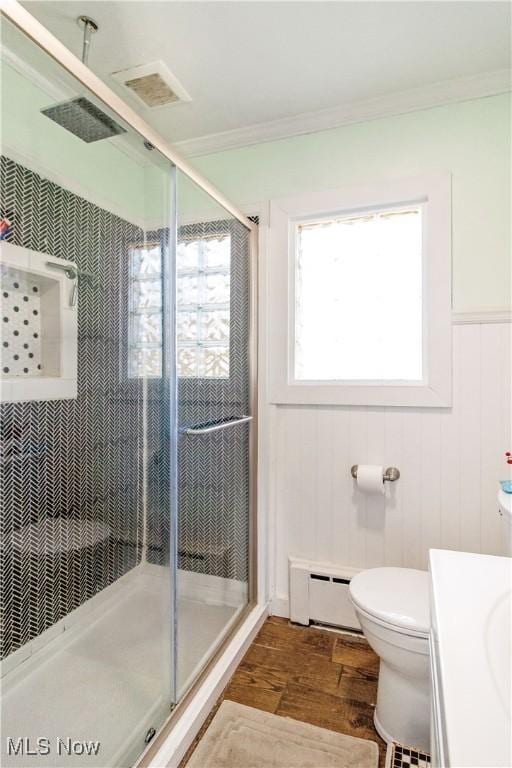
(104, 676)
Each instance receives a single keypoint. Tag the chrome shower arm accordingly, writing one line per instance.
(89, 26)
(72, 273)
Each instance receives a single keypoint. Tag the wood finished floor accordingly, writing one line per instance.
(309, 674)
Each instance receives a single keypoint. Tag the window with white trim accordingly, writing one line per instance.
(360, 295)
(358, 285)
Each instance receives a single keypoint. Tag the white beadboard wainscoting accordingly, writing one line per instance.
(450, 462)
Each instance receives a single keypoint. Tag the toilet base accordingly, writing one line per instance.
(402, 713)
(385, 736)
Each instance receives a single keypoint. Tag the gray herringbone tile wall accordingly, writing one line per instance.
(213, 470)
(71, 470)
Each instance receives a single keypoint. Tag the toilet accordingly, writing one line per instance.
(392, 605)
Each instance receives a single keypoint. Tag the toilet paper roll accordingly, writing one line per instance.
(369, 478)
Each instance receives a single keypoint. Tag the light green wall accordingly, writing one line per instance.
(193, 203)
(470, 139)
(100, 172)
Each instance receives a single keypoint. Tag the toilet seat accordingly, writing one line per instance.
(403, 638)
(395, 598)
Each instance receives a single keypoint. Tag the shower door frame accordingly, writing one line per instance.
(31, 27)
(41, 36)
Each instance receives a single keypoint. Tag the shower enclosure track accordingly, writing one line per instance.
(58, 51)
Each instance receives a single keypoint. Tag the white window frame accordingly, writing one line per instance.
(433, 193)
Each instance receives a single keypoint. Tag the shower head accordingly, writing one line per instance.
(83, 118)
(80, 116)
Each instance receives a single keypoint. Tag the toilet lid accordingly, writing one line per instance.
(397, 596)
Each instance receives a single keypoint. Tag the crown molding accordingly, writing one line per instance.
(426, 97)
(56, 89)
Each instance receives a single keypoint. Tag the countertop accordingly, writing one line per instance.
(471, 648)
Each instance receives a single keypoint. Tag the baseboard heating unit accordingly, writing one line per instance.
(319, 593)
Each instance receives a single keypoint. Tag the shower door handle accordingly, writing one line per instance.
(215, 426)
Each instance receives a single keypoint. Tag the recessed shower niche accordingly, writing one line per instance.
(38, 330)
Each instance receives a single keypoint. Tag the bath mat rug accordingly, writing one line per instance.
(243, 737)
(400, 756)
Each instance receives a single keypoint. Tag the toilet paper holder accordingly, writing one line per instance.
(389, 475)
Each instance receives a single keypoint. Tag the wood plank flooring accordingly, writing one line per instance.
(309, 674)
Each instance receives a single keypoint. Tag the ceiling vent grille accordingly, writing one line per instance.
(152, 90)
(153, 85)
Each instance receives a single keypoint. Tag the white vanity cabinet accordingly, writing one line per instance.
(470, 660)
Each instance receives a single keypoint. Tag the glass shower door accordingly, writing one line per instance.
(126, 422)
(214, 423)
(87, 589)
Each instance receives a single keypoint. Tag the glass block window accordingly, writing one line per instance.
(203, 303)
(358, 297)
(145, 333)
(203, 308)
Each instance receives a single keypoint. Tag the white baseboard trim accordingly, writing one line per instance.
(280, 606)
(182, 733)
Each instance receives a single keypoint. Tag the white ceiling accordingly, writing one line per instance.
(246, 63)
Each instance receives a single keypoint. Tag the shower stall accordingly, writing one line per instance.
(127, 415)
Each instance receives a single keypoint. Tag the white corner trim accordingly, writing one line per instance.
(424, 97)
(482, 317)
(182, 734)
